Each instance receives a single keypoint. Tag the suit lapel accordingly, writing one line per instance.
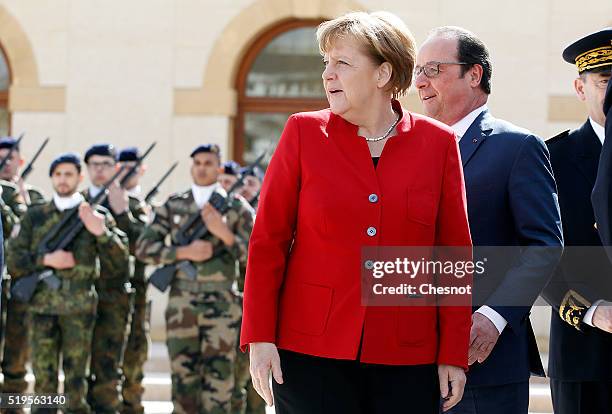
(475, 136)
(587, 156)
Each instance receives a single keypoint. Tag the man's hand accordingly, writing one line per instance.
(263, 359)
(93, 221)
(117, 198)
(452, 384)
(216, 224)
(483, 337)
(602, 318)
(196, 251)
(59, 259)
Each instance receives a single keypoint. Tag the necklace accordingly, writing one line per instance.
(393, 125)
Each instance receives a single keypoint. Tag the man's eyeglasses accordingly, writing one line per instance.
(432, 69)
(101, 164)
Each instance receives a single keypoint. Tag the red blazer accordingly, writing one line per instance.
(303, 275)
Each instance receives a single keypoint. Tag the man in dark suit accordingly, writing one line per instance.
(580, 352)
(602, 192)
(512, 202)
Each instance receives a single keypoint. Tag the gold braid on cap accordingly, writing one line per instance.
(572, 309)
(594, 58)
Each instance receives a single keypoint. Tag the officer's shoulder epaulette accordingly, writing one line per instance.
(557, 137)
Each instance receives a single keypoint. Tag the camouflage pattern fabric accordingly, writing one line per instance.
(137, 347)
(201, 339)
(68, 335)
(109, 341)
(16, 349)
(152, 248)
(112, 326)
(36, 195)
(245, 399)
(202, 317)
(136, 352)
(63, 318)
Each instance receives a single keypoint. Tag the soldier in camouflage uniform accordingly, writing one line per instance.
(10, 224)
(245, 399)
(252, 185)
(63, 319)
(29, 194)
(114, 290)
(203, 314)
(16, 350)
(138, 341)
(228, 174)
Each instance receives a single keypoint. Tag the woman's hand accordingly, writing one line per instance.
(452, 383)
(264, 356)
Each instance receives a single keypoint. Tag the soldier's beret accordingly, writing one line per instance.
(7, 142)
(107, 150)
(212, 148)
(257, 172)
(129, 154)
(591, 51)
(230, 167)
(67, 157)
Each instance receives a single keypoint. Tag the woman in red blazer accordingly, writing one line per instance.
(364, 172)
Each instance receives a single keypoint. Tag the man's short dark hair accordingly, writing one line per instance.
(471, 50)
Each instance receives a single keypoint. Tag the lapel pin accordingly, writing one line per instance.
(475, 140)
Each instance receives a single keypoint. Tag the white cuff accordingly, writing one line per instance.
(499, 321)
(588, 316)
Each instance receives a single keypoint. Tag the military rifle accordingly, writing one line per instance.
(155, 189)
(63, 233)
(194, 229)
(28, 169)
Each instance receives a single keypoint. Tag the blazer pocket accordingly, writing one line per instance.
(421, 207)
(416, 325)
(307, 307)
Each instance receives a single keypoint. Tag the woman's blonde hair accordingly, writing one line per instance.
(384, 37)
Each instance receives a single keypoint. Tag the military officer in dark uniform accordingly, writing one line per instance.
(580, 362)
(602, 192)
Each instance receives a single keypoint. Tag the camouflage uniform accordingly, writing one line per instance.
(138, 341)
(245, 399)
(10, 222)
(203, 315)
(63, 319)
(115, 301)
(16, 350)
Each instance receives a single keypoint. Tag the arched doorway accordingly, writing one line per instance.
(280, 75)
(5, 82)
